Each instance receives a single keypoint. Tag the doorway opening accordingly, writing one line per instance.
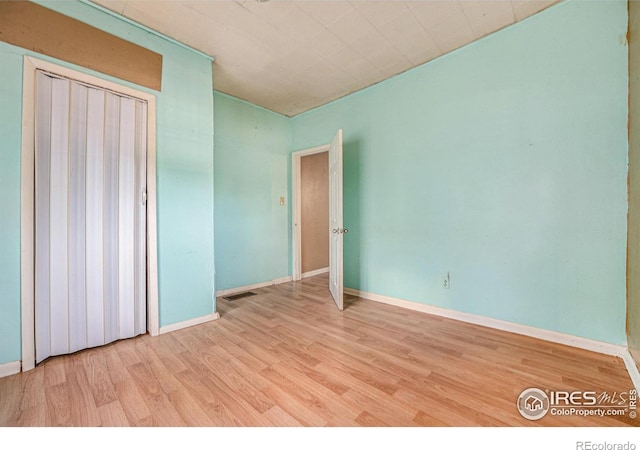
(72, 196)
(333, 227)
(306, 163)
(314, 217)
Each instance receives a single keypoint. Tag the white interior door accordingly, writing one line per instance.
(90, 216)
(335, 220)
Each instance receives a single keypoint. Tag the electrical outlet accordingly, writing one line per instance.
(446, 281)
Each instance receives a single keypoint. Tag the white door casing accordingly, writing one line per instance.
(296, 179)
(31, 65)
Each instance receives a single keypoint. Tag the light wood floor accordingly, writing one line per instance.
(288, 357)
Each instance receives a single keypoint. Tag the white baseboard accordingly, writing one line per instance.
(632, 368)
(250, 287)
(526, 330)
(313, 273)
(189, 323)
(282, 280)
(11, 368)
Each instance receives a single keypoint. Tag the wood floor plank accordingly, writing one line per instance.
(166, 416)
(170, 360)
(32, 416)
(374, 377)
(307, 399)
(132, 402)
(425, 419)
(322, 401)
(287, 357)
(190, 340)
(11, 392)
(234, 365)
(189, 409)
(112, 415)
(149, 386)
(279, 418)
(384, 407)
(96, 369)
(369, 420)
(364, 396)
(252, 344)
(127, 351)
(82, 400)
(232, 378)
(289, 403)
(160, 371)
(463, 408)
(115, 367)
(54, 371)
(327, 380)
(242, 355)
(219, 414)
(59, 412)
(244, 413)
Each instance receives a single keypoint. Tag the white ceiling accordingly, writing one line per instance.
(291, 56)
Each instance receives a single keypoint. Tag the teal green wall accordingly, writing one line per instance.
(252, 235)
(503, 163)
(10, 142)
(184, 176)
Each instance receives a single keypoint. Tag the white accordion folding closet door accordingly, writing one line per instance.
(90, 216)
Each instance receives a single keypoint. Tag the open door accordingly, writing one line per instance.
(335, 220)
